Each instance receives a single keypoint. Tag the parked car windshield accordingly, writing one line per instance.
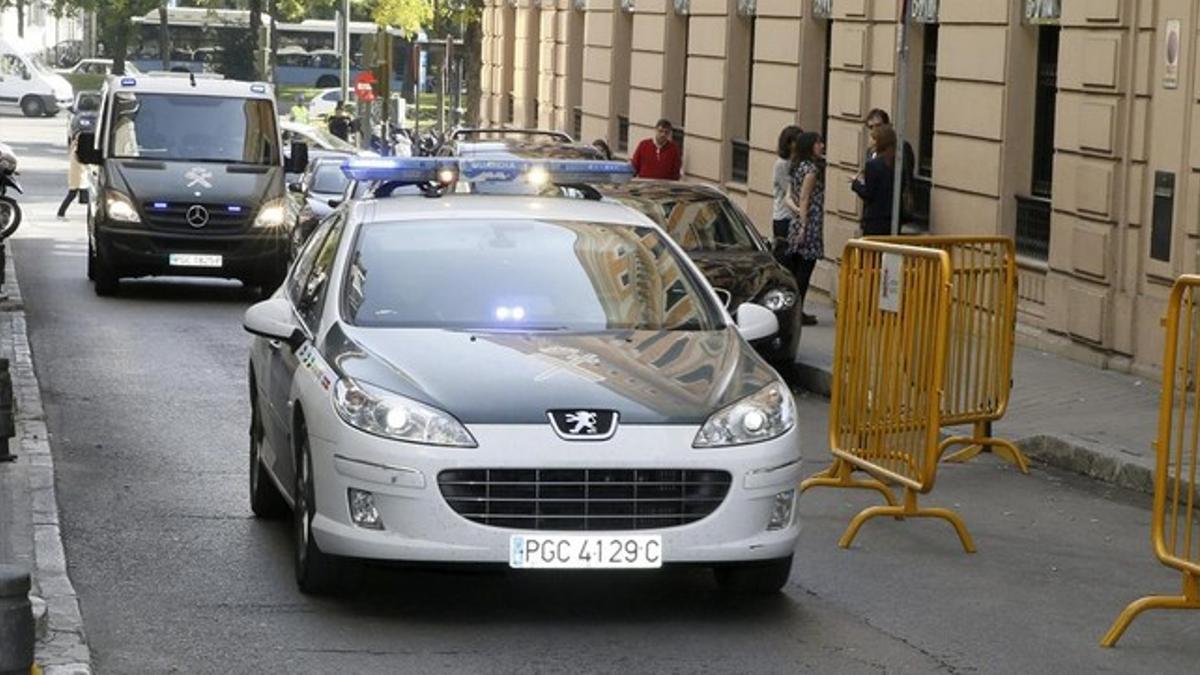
(521, 275)
(193, 128)
(328, 179)
(699, 223)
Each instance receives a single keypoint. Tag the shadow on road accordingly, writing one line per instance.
(498, 595)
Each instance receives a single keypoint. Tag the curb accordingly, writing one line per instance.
(1070, 453)
(62, 647)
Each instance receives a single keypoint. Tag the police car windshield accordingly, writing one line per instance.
(193, 128)
(521, 275)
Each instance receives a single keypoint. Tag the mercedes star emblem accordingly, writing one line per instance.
(197, 216)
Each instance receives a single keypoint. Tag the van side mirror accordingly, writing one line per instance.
(86, 150)
(298, 161)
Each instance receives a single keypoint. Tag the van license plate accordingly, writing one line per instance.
(535, 551)
(195, 260)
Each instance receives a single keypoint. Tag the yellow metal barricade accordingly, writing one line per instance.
(1175, 525)
(983, 323)
(888, 369)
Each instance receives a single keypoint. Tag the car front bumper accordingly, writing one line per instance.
(421, 526)
(133, 250)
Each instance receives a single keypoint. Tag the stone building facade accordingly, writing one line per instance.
(1071, 125)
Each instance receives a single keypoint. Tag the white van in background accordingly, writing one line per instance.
(28, 85)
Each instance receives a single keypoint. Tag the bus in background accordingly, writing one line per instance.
(305, 54)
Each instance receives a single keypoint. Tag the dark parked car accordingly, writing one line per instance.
(84, 110)
(315, 195)
(724, 243)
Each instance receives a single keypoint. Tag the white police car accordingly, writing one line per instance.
(531, 381)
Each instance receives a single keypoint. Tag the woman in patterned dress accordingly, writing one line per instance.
(806, 199)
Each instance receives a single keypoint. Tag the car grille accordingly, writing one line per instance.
(173, 216)
(584, 499)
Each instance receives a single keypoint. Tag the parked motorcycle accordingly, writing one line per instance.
(10, 211)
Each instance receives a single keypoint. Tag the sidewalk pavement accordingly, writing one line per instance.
(29, 525)
(1098, 423)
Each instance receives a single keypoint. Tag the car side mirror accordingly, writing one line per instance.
(86, 150)
(298, 161)
(71, 108)
(26, 76)
(272, 319)
(334, 203)
(296, 188)
(756, 322)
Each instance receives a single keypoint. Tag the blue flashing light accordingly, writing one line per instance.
(128, 82)
(234, 209)
(160, 205)
(258, 88)
(401, 169)
(448, 169)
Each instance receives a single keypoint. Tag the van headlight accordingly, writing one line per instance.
(120, 207)
(778, 299)
(382, 413)
(271, 214)
(767, 414)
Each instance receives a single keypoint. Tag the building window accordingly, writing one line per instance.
(577, 122)
(1033, 213)
(923, 178)
(1033, 227)
(510, 104)
(622, 133)
(677, 135)
(741, 160)
(1045, 103)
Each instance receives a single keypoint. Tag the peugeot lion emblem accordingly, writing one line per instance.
(583, 425)
(197, 216)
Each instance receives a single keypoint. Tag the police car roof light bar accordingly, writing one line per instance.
(439, 169)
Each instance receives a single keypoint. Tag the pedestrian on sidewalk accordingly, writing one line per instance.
(299, 110)
(875, 184)
(658, 157)
(806, 200)
(781, 218)
(74, 178)
(340, 122)
(879, 117)
(601, 145)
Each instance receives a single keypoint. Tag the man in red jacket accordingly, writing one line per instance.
(658, 157)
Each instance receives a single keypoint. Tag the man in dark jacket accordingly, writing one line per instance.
(658, 157)
(340, 122)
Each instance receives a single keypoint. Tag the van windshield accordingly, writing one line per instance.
(193, 128)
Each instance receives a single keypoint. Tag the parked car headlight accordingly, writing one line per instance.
(778, 299)
(393, 416)
(271, 214)
(120, 207)
(767, 414)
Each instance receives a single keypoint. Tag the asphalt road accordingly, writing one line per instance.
(146, 397)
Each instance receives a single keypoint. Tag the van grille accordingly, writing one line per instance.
(584, 499)
(173, 216)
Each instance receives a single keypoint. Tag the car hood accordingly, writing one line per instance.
(648, 377)
(746, 275)
(197, 182)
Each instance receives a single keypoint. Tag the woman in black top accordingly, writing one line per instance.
(875, 185)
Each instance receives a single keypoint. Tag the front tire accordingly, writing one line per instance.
(104, 277)
(756, 578)
(10, 216)
(265, 500)
(316, 573)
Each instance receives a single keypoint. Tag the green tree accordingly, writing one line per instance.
(20, 5)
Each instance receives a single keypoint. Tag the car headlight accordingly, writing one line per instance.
(120, 207)
(778, 299)
(767, 414)
(271, 214)
(393, 416)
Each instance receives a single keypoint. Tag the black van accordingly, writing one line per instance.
(188, 180)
